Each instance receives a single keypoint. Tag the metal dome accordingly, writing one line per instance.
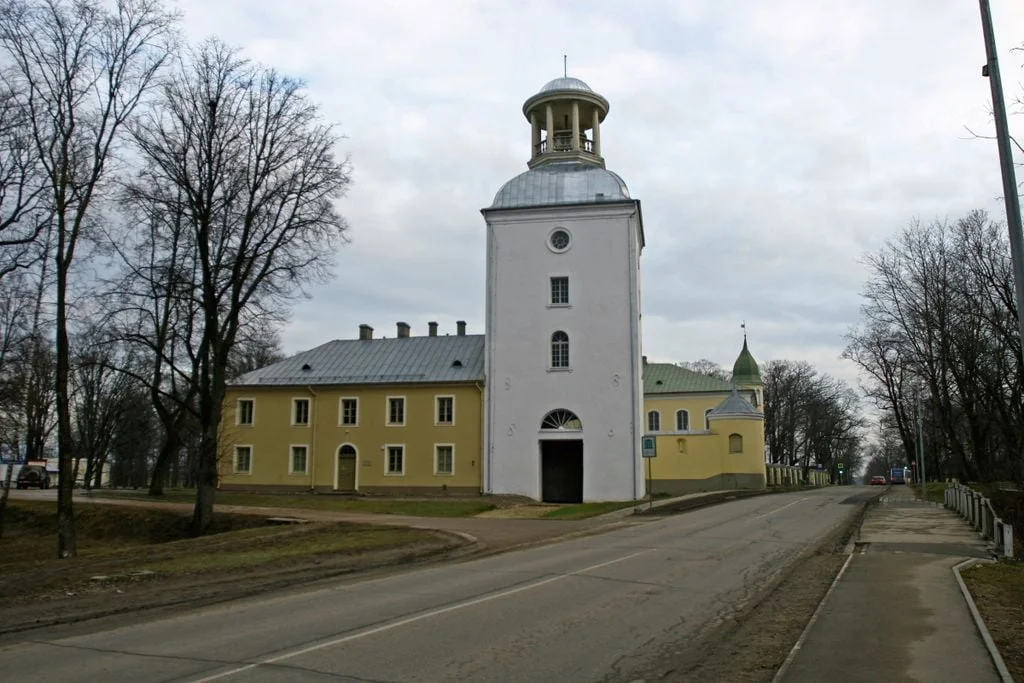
(567, 182)
(566, 83)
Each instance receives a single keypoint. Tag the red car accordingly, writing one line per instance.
(878, 480)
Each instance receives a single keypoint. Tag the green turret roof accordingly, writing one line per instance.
(745, 370)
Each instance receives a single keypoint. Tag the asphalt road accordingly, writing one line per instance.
(588, 609)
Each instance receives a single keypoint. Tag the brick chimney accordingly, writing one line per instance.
(365, 332)
(433, 328)
(460, 326)
(403, 330)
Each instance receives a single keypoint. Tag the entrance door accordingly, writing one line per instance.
(561, 474)
(346, 469)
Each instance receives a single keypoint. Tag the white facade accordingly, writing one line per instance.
(602, 383)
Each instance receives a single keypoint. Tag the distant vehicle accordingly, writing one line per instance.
(878, 480)
(33, 475)
(898, 475)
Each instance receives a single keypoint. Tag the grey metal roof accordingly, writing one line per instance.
(378, 361)
(563, 182)
(566, 83)
(735, 406)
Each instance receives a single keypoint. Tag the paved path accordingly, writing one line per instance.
(897, 613)
(588, 609)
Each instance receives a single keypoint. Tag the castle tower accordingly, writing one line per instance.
(564, 394)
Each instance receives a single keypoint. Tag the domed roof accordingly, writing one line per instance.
(745, 370)
(566, 83)
(568, 182)
(735, 406)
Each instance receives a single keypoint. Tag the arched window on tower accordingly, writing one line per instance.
(559, 350)
(735, 443)
(682, 420)
(561, 420)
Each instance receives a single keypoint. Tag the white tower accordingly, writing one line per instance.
(564, 391)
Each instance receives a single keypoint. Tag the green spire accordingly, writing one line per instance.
(745, 370)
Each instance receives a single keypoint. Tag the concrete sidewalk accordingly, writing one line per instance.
(897, 613)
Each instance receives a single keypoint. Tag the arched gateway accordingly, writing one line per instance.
(561, 458)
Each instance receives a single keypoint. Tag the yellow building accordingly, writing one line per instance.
(405, 415)
(709, 431)
(397, 415)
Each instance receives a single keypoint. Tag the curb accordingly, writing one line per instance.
(979, 623)
(810, 624)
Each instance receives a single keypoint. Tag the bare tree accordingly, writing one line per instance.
(246, 155)
(23, 214)
(84, 65)
(258, 345)
(938, 336)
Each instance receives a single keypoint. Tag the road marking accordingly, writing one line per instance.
(418, 617)
(782, 508)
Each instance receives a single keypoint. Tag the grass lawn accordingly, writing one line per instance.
(998, 590)
(119, 542)
(935, 491)
(584, 510)
(381, 506)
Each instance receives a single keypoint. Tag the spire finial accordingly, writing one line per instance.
(565, 65)
(743, 326)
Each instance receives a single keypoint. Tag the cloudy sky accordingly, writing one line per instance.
(771, 142)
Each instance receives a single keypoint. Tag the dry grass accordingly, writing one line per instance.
(998, 590)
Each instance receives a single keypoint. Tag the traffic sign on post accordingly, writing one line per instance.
(650, 447)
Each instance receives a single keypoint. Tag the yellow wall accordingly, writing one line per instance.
(272, 434)
(700, 460)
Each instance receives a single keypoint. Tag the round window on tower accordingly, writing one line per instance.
(559, 240)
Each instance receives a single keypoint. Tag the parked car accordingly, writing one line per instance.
(878, 480)
(33, 475)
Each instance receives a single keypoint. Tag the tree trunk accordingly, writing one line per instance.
(168, 450)
(66, 546)
(6, 491)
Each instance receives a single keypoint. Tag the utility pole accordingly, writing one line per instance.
(1013, 222)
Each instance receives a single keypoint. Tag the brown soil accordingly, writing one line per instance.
(998, 591)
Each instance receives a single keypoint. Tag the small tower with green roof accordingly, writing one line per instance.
(746, 376)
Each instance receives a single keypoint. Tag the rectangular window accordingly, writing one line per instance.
(445, 410)
(396, 410)
(395, 464)
(299, 460)
(300, 411)
(349, 412)
(560, 290)
(244, 411)
(243, 459)
(444, 459)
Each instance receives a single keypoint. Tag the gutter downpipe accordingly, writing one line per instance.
(483, 432)
(312, 438)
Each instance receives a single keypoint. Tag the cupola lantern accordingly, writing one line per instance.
(561, 115)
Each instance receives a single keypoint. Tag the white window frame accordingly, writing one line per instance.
(551, 291)
(689, 425)
(437, 410)
(387, 459)
(291, 458)
(341, 411)
(658, 419)
(309, 411)
(387, 411)
(551, 352)
(437, 471)
(234, 459)
(707, 422)
(238, 412)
